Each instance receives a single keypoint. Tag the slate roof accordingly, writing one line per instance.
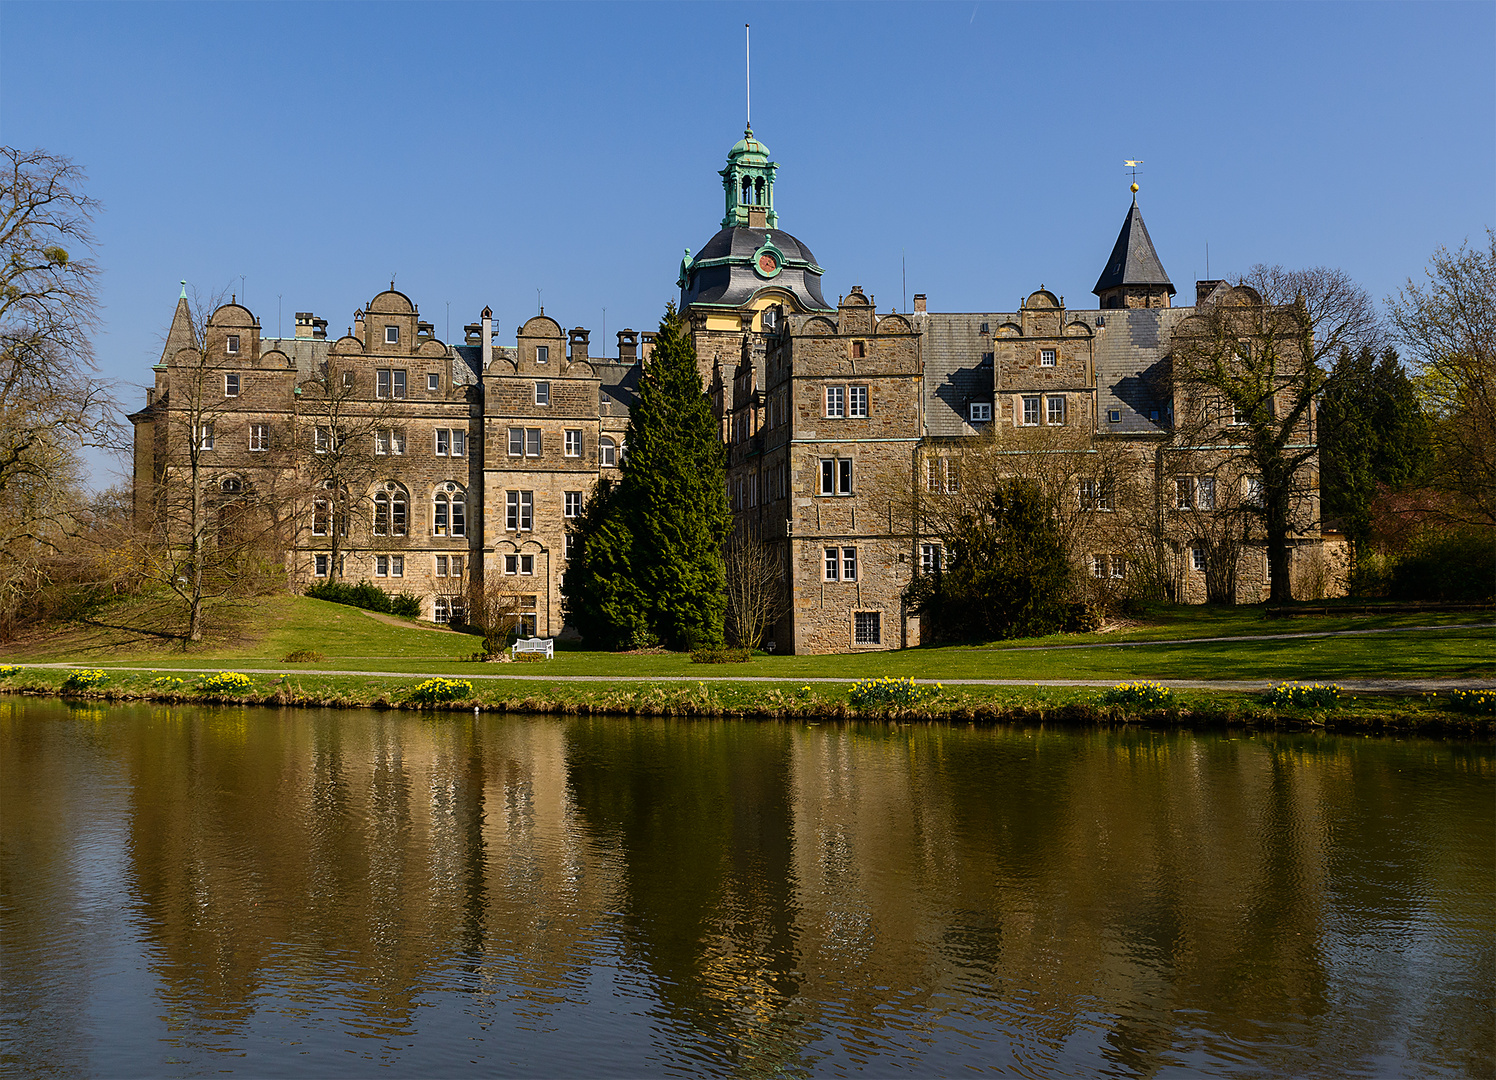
(1133, 260)
(734, 283)
(955, 374)
(1132, 371)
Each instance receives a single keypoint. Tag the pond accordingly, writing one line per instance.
(194, 891)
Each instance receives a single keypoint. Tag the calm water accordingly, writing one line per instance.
(190, 892)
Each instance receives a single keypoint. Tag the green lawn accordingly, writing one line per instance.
(261, 633)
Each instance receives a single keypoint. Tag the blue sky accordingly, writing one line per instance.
(484, 151)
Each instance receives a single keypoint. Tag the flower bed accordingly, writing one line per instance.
(1299, 696)
(1148, 695)
(888, 692)
(1479, 702)
(435, 690)
(226, 683)
(83, 680)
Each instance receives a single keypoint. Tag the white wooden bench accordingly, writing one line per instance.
(533, 645)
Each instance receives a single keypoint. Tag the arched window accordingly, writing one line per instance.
(231, 485)
(390, 511)
(607, 451)
(758, 192)
(449, 512)
(747, 190)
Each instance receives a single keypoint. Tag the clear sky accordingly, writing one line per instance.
(300, 154)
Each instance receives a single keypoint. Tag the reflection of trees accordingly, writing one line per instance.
(701, 813)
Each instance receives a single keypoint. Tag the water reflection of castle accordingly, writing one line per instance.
(768, 882)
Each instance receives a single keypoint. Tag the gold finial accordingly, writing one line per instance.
(1134, 187)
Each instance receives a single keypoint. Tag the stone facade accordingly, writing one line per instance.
(847, 430)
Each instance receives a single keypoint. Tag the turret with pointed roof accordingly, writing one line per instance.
(1134, 277)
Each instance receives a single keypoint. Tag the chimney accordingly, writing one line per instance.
(628, 346)
(578, 344)
(1204, 288)
(358, 324)
(309, 326)
(647, 344)
(425, 331)
(487, 332)
(919, 303)
(470, 334)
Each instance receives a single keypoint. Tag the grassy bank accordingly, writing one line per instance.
(347, 657)
(263, 633)
(1427, 714)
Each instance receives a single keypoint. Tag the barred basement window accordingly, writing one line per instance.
(867, 628)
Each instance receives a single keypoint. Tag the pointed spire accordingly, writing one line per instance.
(1133, 263)
(180, 335)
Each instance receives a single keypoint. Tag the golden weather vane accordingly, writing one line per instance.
(1133, 165)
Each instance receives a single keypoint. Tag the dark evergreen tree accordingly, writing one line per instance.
(674, 495)
(602, 600)
(646, 561)
(1007, 573)
(1373, 436)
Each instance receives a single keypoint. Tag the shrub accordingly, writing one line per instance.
(434, 690)
(226, 682)
(1082, 617)
(1479, 702)
(721, 654)
(1445, 565)
(364, 595)
(304, 656)
(86, 679)
(7, 670)
(1150, 695)
(888, 691)
(1296, 695)
(407, 605)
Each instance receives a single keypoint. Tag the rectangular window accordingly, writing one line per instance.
(572, 506)
(1205, 493)
(527, 565)
(1046, 357)
(573, 442)
(570, 544)
(1118, 566)
(231, 345)
(931, 558)
(867, 628)
(382, 383)
(837, 479)
(205, 437)
(259, 437)
(397, 566)
(519, 510)
(399, 377)
(542, 393)
(952, 476)
(1183, 490)
(932, 474)
(457, 566)
(832, 564)
(1238, 415)
(443, 442)
(981, 412)
(857, 401)
(392, 335)
(1095, 494)
(542, 354)
(516, 441)
(1114, 416)
(859, 350)
(1197, 559)
(433, 383)
(828, 476)
(1055, 409)
(532, 442)
(382, 441)
(231, 384)
(320, 564)
(441, 566)
(1031, 410)
(381, 566)
(1253, 494)
(836, 401)
(347, 380)
(849, 564)
(1098, 566)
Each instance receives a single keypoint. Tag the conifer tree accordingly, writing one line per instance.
(646, 562)
(674, 495)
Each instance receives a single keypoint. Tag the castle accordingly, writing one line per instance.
(430, 467)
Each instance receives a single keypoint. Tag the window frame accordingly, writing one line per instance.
(231, 384)
(391, 334)
(573, 443)
(1033, 400)
(259, 438)
(979, 412)
(571, 505)
(607, 452)
(931, 558)
(433, 382)
(205, 436)
(831, 564)
(231, 344)
(849, 564)
(542, 354)
(1049, 357)
(321, 565)
(543, 393)
(858, 402)
(867, 628)
(835, 402)
(1050, 401)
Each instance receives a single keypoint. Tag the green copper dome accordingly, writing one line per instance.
(748, 145)
(748, 183)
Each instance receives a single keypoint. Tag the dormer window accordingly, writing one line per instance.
(542, 354)
(981, 412)
(231, 345)
(392, 335)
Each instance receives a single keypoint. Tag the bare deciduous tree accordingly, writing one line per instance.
(1449, 325)
(1248, 367)
(755, 589)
